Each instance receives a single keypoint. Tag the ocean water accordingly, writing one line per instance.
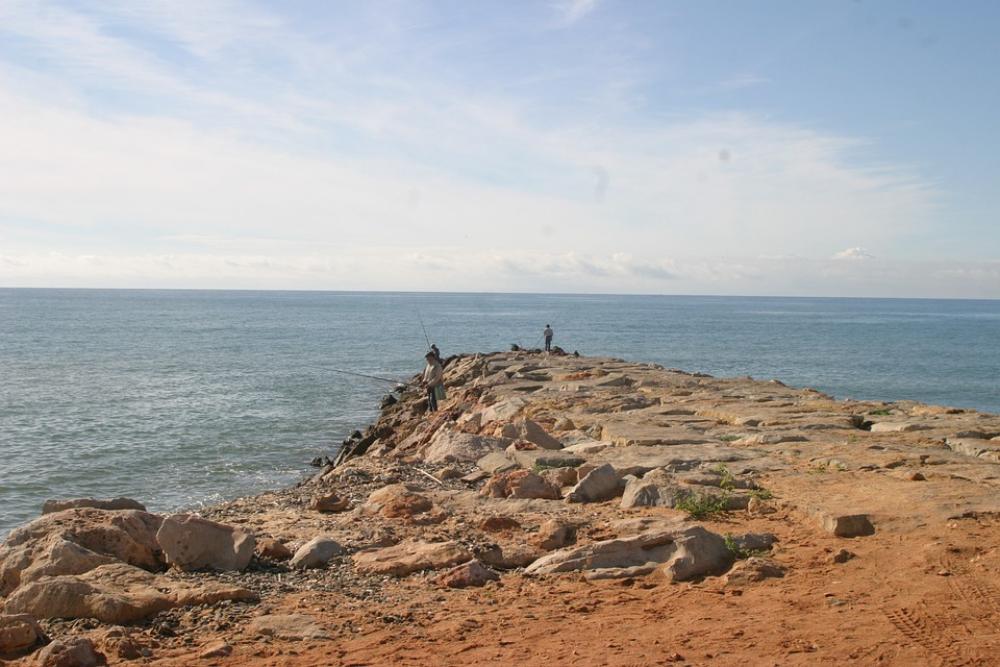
(179, 398)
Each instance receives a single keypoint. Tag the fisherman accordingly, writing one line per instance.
(433, 381)
(548, 337)
(437, 353)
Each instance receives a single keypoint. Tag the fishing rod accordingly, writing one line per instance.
(362, 375)
(424, 329)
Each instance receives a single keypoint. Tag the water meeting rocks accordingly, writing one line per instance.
(473, 495)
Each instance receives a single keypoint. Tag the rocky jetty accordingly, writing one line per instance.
(557, 509)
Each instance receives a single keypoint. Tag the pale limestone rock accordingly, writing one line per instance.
(271, 549)
(317, 552)
(118, 594)
(75, 652)
(503, 410)
(449, 446)
(51, 506)
(190, 542)
(753, 570)
(510, 556)
(329, 502)
(495, 462)
(657, 488)
(18, 632)
(530, 431)
(519, 484)
(466, 575)
(77, 540)
(410, 556)
(896, 427)
(554, 534)
(397, 501)
(601, 483)
(680, 554)
(560, 477)
(847, 525)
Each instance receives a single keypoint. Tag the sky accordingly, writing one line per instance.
(842, 148)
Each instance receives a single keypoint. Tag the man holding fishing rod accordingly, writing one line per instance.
(433, 381)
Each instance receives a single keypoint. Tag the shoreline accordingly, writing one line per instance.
(575, 490)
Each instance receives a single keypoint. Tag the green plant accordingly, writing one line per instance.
(738, 552)
(541, 466)
(881, 412)
(703, 505)
(761, 494)
(728, 481)
(729, 437)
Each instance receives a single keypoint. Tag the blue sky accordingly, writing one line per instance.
(835, 148)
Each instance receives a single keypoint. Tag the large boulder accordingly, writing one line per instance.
(520, 484)
(657, 488)
(680, 553)
(456, 447)
(18, 632)
(410, 556)
(601, 483)
(117, 593)
(526, 429)
(503, 410)
(51, 506)
(317, 552)
(77, 540)
(466, 575)
(396, 501)
(75, 652)
(190, 542)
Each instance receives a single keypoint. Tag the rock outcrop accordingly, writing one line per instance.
(190, 542)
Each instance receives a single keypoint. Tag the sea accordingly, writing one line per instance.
(185, 398)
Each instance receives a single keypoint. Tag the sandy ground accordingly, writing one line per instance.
(927, 597)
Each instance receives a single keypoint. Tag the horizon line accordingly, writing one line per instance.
(486, 293)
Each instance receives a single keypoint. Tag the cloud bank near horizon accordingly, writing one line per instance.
(157, 145)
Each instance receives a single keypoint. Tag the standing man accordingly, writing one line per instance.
(548, 337)
(432, 379)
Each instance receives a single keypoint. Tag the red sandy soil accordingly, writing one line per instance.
(930, 596)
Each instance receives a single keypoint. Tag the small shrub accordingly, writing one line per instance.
(881, 412)
(729, 437)
(740, 553)
(761, 494)
(728, 481)
(703, 505)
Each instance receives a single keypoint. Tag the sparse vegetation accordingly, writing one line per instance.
(703, 505)
(881, 412)
(728, 481)
(730, 437)
(738, 552)
(761, 494)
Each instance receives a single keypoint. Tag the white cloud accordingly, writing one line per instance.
(853, 254)
(339, 178)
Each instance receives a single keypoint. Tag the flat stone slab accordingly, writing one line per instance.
(980, 449)
(625, 433)
(638, 460)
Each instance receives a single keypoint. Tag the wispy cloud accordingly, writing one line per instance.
(253, 150)
(571, 11)
(853, 254)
